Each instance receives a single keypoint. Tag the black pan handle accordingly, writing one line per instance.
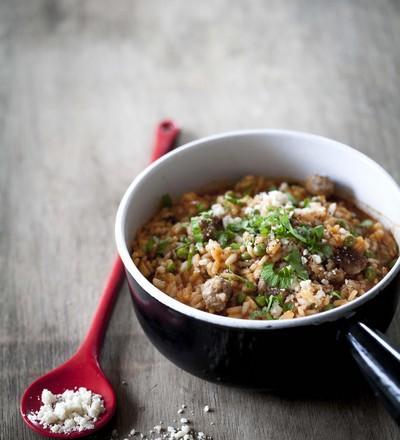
(379, 362)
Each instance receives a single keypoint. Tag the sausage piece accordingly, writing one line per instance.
(320, 185)
(209, 227)
(351, 261)
(216, 292)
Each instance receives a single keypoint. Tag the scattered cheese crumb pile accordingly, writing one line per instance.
(70, 411)
(184, 431)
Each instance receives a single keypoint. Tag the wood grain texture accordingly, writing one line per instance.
(82, 84)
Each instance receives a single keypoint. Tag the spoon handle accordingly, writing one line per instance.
(380, 363)
(166, 134)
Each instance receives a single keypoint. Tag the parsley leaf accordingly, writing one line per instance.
(224, 237)
(196, 229)
(149, 246)
(162, 247)
(201, 207)
(282, 278)
(230, 197)
(261, 314)
(294, 259)
(367, 223)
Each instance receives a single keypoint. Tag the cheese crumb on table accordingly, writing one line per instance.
(184, 431)
(71, 411)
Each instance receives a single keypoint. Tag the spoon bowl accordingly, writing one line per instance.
(79, 371)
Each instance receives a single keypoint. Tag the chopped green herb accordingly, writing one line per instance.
(162, 247)
(240, 298)
(287, 306)
(369, 254)
(224, 237)
(192, 251)
(182, 251)
(199, 246)
(271, 300)
(282, 278)
(336, 294)
(326, 250)
(249, 285)
(171, 267)
(166, 201)
(284, 219)
(229, 275)
(291, 198)
(230, 197)
(342, 223)
(370, 273)
(196, 229)
(349, 241)
(235, 246)
(260, 300)
(367, 223)
(201, 207)
(261, 314)
(306, 202)
(294, 259)
(149, 246)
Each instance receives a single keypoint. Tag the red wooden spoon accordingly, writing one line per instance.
(83, 369)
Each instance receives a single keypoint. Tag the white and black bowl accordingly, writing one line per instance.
(312, 350)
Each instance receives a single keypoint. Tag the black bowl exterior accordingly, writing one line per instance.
(285, 358)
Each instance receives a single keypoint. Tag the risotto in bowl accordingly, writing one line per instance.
(254, 257)
(264, 249)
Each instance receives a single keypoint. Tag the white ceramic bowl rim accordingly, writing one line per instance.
(345, 310)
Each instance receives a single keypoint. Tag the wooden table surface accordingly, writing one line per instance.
(82, 84)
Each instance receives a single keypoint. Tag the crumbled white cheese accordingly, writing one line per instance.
(48, 397)
(316, 258)
(314, 208)
(276, 310)
(284, 186)
(332, 209)
(218, 210)
(320, 294)
(304, 260)
(227, 220)
(71, 411)
(305, 284)
(264, 200)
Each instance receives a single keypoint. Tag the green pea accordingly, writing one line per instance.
(260, 300)
(182, 252)
(259, 250)
(241, 297)
(349, 241)
(370, 273)
(171, 267)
